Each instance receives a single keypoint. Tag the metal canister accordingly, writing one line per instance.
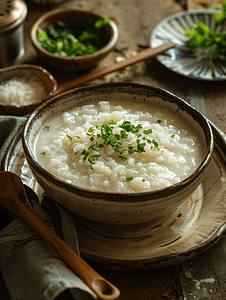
(12, 16)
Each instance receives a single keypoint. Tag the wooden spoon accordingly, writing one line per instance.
(79, 81)
(12, 194)
(141, 56)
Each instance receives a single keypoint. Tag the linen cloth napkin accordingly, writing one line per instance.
(29, 267)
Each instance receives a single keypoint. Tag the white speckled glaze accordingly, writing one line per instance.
(108, 207)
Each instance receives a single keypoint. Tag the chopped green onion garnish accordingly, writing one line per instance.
(147, 131)
(117, 141)
(83, 39)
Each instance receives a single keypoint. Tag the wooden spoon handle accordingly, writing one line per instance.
(11, 191)
(141, 56)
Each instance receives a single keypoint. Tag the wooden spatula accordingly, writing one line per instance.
(12, 194)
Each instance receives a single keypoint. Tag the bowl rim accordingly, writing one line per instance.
(60, 11)
(28, 108)
(126, 197)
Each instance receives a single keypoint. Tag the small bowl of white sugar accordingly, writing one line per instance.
(118, 153)
(23, 88)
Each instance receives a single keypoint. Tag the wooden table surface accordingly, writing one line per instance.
(205, 276)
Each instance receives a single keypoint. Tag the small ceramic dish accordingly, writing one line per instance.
(26, 71)
(180, 59)
(117, 208)
(73, 17)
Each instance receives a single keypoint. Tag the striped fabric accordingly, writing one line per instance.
(29, 267)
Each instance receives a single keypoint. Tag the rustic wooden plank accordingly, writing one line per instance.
(147, 285)
(207, 97)
(201, 4)
(136, 19)
(132, 18)
(204, 277)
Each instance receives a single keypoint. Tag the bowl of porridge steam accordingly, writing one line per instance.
(118, 153)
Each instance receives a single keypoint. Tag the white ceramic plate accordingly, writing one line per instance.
(180, 59)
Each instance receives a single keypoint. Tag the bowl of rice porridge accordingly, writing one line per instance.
(118, 153)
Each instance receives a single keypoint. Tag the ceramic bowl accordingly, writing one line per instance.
(113, 207)
(27, 71)
(73, 17)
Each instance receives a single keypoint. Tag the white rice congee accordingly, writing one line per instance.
(151, 150)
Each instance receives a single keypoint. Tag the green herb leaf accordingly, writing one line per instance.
(78, 152)
(122, 157)
(46, 127)
(85, 153)
(155, 143)
(91, 130)
(119, 142)
(100, 23)
(148, 131)
(64, 40)
(112, 122)
(202, 37)
(129, 178)
(43, 153)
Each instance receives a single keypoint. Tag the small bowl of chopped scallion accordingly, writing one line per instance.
(73, 40)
